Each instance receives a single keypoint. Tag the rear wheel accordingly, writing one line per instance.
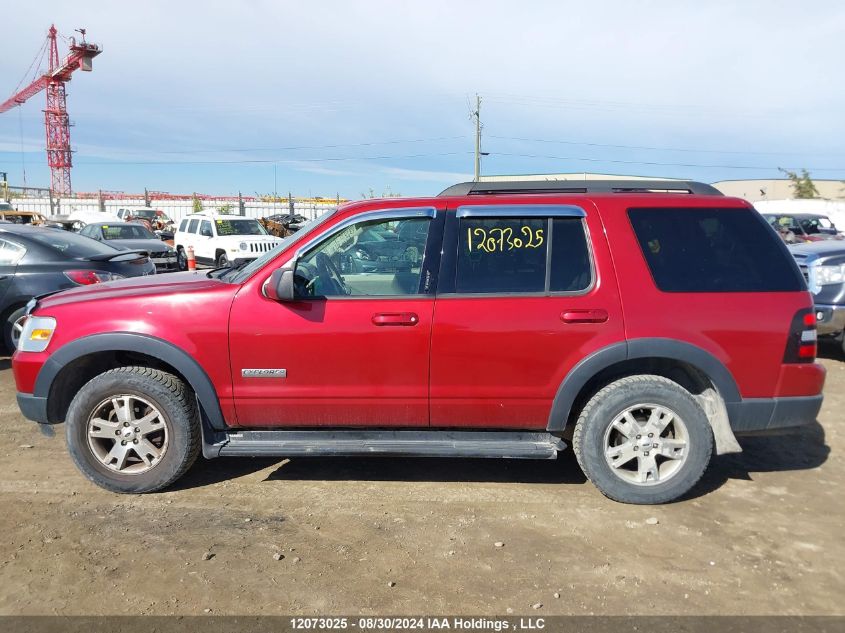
(133, 429)
(643, 439)
(12, 329)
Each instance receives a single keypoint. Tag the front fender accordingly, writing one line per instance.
(177, 358)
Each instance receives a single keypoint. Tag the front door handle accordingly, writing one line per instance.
(395, 318)
(595, 315)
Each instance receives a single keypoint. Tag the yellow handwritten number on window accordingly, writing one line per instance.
(502, 240)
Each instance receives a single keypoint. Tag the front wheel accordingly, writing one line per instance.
(222, 260)
(133, 429)
(181, 258)
(643, 439)
(12, 329)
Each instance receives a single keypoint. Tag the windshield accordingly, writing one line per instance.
(70, 244)
(238, 275)
(245, 226)
(147, 214)
(127, 232)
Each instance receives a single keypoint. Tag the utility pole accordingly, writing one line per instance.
(477, 116)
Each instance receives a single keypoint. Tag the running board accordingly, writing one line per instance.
(501, 444)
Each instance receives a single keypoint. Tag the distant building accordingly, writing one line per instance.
(777, 189)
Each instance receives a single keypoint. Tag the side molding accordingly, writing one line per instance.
(632, 349)
(141, 344)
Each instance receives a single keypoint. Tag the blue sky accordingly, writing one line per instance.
(342, 97)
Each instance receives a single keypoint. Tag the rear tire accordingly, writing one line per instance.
(133, 429)
(643, 439)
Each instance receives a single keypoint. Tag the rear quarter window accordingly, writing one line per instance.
(713, 250)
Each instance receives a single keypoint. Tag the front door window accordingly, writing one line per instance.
(373, 258)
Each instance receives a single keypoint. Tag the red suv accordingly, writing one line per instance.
(647, 322)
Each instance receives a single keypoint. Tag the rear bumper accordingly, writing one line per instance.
(33, 407)
(769, 414)
(830, 319)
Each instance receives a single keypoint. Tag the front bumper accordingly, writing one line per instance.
(769, 414)
(830, 319)
(33, 407)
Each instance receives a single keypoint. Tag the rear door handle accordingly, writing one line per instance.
(596, 315)
(395, 318)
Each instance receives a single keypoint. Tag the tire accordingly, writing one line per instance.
(181, 258)
(638, 469)
(222, 260)
(12, 328)
(140, 392)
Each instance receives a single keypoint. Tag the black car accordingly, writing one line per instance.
(36, 261)
(134, 237)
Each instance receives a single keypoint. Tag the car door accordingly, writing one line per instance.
(353, 348)
(525, 292)
(204, 244)
(189, 237)
(10, 254)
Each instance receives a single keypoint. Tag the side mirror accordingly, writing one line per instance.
(279, 287)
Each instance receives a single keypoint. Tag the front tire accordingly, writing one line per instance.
(181, 259)
(133, 429)
(222, 260)
(643, 439)
(12, 329)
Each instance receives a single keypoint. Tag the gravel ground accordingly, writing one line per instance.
(761, 534)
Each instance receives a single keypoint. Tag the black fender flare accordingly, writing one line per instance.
(632, 349)
(177, 358)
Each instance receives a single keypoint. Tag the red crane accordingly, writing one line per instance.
(56, 121)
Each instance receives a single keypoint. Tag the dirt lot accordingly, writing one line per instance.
(761, 534)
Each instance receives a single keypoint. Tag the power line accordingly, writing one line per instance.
(657, 148)
(270, 160)
(297, 147)
(662, 164)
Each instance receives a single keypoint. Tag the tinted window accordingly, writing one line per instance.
(570, 262)
(205, 229)
(69, 244)
(192, 225)
(713, 250)
(10, 253)
(127, 232)
(502, 255)
(183, 226)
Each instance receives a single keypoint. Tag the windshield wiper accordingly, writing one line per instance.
(226, 269)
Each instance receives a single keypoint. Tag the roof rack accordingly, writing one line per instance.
(580, 186)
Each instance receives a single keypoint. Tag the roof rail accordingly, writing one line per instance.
(580, 186)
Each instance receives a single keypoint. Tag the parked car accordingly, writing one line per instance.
(802, 227)
(823, 266)
(154, 219)
(133, 237)
(647, 322)
(220, 240)
(35, 261)
(21, 217)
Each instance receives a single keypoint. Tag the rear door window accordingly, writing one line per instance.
(192, 225)
(528, 249)
(713, 250)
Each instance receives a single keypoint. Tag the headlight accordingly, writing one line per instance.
(829, 275)
(36, 335)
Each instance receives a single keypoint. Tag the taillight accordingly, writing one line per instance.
(88, 277)
(801, 344)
